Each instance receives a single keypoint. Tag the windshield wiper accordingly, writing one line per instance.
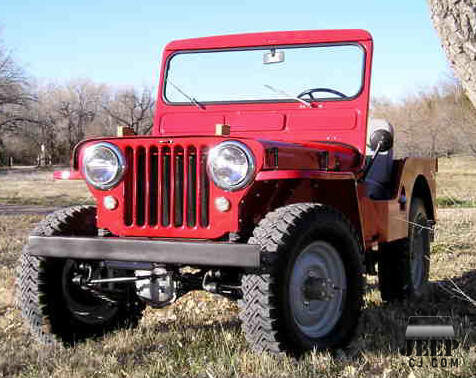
(281, 92)
(192, 100)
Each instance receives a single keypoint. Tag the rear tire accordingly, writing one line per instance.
(404, 265)
(294, 239)
(57, 311)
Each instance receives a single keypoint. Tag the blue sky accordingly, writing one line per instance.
(119, 42)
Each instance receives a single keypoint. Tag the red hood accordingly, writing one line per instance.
(280, 154)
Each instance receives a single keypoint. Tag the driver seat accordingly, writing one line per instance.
(379, 179)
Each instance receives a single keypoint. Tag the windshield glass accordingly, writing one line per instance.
(324, 72)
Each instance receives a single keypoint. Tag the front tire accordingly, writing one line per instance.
(57, 310)
(310, 294)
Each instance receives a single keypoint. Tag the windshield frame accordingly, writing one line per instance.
(264, 48)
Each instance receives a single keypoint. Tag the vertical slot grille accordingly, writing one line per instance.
(128, 189)
(191, 187)
(153, 185)
(166, 186)
(204, 189)
(139, 185)
(178, 186)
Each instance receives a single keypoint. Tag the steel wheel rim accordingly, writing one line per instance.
(417, 253)
(317, 317)
(84, 306)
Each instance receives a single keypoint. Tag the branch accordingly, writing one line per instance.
(116, 117)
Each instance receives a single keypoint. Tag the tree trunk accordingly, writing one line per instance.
(455, 22)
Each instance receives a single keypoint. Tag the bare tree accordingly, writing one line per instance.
(61, 117)
(14, 96)
(132, 109)
(78, 104)
(437, 121)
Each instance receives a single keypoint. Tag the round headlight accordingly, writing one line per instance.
(103, 165)
(230, 165)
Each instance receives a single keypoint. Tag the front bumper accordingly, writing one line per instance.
(146, 250)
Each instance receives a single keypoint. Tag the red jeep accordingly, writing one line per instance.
(258, 182)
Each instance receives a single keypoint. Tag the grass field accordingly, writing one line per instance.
(28, 186)
(456, 182)
(200, 334)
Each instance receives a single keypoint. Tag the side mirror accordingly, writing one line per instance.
(273, 57)
(382, 140)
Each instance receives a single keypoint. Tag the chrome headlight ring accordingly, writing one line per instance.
(231, 165)
(106, 157)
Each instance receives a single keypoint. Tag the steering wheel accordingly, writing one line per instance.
(310, 92)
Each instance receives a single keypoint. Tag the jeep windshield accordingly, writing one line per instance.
(265, 74)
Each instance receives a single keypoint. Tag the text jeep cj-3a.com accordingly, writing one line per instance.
(256, 183)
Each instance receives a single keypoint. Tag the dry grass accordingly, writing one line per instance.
(456, 182)
(27, 186)
(200, 335)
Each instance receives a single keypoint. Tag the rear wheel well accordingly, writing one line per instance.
(421, 189)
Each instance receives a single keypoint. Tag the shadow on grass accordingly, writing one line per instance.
(179, 325)
(384, 324)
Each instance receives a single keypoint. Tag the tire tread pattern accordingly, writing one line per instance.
(33, 288)
(259, 308)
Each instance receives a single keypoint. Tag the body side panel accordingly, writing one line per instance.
(387, 220)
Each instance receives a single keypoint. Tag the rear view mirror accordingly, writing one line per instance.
(381, 139)
(273, 57)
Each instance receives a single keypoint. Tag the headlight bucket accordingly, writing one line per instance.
(103, 165)
(231, 165)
